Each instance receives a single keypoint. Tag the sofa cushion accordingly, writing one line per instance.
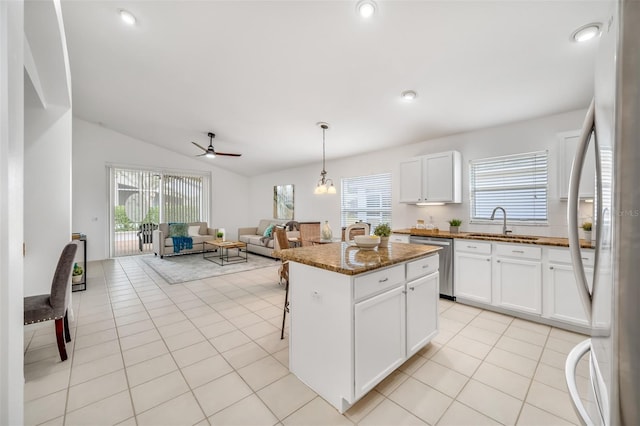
(256, 240)
(202, 238)
(178, 229)
(269, 231)
(262, 226)
(168, 242)
(194, 230)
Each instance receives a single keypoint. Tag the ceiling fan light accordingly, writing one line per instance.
(332, 189)
(210, 155)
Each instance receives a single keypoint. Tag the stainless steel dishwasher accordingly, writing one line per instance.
(446, 262)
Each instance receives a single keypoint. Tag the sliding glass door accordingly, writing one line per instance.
(141, 199)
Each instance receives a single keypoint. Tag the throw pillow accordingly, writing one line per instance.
(178, 229)
(194, 231)
(269, 231)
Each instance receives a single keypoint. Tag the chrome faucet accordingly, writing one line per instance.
(504, 216)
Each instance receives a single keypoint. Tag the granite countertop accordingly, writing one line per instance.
(346, 258)
(519, 239)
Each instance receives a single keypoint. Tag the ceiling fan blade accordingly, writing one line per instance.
(204, 149)
(201, 155)
(227, 154)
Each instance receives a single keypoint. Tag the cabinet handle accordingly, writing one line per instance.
(412, 288)
(404, 291)
(489, 260)
(383, 280)
(585, 258)
(425, 266)
(498, 261)
(472, 247)
(517, 251)
(550, 267)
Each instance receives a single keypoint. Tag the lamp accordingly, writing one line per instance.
(324, 186)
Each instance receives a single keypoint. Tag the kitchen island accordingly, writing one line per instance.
(357, 315)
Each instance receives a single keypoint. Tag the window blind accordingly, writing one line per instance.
(366, 199)
(518, 183)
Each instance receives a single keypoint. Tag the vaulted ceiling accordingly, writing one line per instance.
(260, 74)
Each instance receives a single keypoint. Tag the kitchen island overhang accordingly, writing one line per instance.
(357, 315)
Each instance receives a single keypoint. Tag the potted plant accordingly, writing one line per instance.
(454, 225)
(383, 230)
(586, 227)
(76, 275)
(220, 235)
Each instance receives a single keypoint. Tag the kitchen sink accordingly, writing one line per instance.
(504, 237)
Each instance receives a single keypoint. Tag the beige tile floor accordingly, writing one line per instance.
(209, 353)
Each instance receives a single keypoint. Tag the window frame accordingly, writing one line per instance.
(534, 186)
(385, 208)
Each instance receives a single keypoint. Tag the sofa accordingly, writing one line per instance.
(198, 231)
(256, 241)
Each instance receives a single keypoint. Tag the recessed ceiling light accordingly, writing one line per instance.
(127, 17)
(366, 8)
(408, 95)
(586, 32)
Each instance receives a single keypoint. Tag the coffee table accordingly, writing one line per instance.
(222, 257)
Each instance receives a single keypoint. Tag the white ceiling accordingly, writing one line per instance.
(261, 74)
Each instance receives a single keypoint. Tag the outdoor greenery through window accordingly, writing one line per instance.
(518, 183)
(366, 199)
(141, 199)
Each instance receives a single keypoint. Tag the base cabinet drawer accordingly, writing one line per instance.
(422, 267)
(375, 282)
(399, 238)
(472, 246)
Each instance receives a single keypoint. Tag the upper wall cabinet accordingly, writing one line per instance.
(434, 178)
(567, 146)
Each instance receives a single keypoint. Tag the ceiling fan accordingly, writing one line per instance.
(209, 151)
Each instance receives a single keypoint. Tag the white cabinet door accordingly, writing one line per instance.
(472, 276)
(432, 178)
(562, 301)
(568, 143)
(437, 175)
(380, 338)
(411, 181)
(422, 312)
(518, 285)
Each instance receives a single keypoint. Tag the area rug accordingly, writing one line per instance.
(180, 269)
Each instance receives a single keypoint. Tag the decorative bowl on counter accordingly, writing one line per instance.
(367, 242)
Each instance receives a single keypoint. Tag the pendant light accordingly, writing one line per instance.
(324, 186)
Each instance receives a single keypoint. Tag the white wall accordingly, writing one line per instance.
(94, 147)
(47, 145)
(11, 220)
(532, 135)
(47, 199)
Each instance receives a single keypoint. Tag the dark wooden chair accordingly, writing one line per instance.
(283, 272)
(145, 234)
(53, 306)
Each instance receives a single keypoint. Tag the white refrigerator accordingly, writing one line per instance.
(613, 302)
